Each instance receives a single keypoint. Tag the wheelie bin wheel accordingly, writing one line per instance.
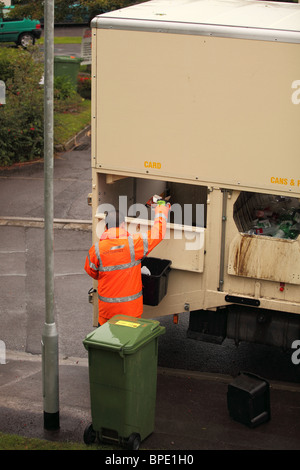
(134, 441)
(89, 435)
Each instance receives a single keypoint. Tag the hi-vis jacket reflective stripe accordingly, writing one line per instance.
(115, 261)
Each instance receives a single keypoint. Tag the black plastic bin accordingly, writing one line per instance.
(248, 399)
(155, 285)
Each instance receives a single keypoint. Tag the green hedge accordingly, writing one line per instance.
(22, 117)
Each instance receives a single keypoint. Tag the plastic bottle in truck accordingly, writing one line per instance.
(198, 100)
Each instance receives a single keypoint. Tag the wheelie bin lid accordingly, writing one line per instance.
(67, 58)
(123, 334)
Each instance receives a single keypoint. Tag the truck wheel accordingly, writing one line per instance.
(89, 435)
(134, 441)
(26, 39)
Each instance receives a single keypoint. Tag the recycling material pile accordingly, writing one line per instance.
(280, 218)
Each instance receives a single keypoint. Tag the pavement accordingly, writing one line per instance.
(191, 407)
(191, 410)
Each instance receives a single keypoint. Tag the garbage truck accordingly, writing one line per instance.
(199, 101)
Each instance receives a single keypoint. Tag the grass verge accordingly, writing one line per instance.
(15, 442)
(57, 40)
(63, 40)
(68, 124)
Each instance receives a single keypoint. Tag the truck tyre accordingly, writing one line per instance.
(25, 40)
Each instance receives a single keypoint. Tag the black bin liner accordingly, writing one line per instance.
(155, 285)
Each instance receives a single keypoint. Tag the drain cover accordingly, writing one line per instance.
(82, 147)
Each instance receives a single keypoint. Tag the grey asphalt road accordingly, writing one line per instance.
(69, 31)
(68, 49)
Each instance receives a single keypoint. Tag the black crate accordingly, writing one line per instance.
(155, 285)
(248, 399)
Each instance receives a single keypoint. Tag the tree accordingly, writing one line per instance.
(66, 9)
(78, 10)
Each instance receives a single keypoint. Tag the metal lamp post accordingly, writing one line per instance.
(50, 335)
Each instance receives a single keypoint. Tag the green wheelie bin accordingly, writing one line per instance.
(122, 357)
(67, 66)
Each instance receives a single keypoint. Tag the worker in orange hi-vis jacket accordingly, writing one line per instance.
(115, 261)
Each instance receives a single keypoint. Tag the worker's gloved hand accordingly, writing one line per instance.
(156, 200)
(162, 202)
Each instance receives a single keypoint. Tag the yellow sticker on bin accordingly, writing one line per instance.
(127, 323)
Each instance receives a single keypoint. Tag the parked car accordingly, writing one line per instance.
(23, 32)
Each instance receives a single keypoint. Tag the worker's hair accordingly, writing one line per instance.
(114, 219)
